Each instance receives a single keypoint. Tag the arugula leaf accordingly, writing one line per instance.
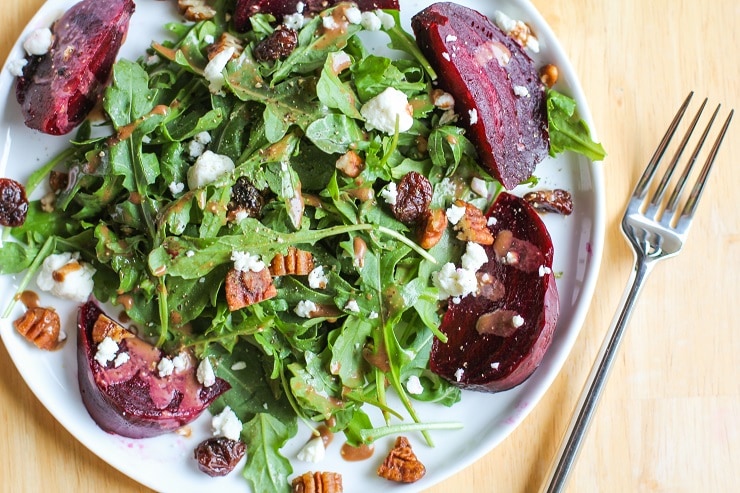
(567, 130)
(267, 469)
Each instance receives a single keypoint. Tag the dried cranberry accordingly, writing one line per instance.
(13, 203)
(219, 456)
(413, 198)
(245, 198)
(277, 45)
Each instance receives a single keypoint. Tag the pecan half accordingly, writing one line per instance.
(244, 288)
(196, 10)
(227, 40)
(295, 263)
(107, 327)
(401, 464)
(473, 226)
(318, 482)
(431, 228)
(557, 200)
(41, 326)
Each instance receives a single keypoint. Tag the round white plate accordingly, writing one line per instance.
(165, 463)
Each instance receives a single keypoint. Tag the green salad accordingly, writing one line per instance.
(163, 237)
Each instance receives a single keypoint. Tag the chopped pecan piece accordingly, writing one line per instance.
(41, 326)
(277, 45)
(557, 200)
(295, 263)
(318, 482)
(350, 164)
(244, 288)
(107, 327)
(401, 464)
(473, 226)
(196, 10)
(431, 228)
(227, 40)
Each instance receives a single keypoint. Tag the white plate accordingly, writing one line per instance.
(165, 463)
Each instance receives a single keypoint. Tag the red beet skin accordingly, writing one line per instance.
(480, 66)
(132, 400)
(485, 361)
(58, 90)
(246, 8)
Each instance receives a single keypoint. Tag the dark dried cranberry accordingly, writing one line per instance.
(219, 456)
(245, 198)
(58, 181)
(558, 201)
(277, 45)
(413, 199)
(13, 203)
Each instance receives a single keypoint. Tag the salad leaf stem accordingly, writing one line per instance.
(372, 434)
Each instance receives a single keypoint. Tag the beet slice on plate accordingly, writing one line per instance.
(59, 89)
(495, 84)
(497, 338)
(244, 9)
(130, 398)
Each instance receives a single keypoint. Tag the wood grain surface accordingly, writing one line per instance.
(669, 420)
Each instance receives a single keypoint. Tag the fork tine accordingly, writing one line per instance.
(693, 200)
(673, 199)
(647, 176)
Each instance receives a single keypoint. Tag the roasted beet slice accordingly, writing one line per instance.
(58, 90)
(498, 337)
(497, 90)
(244, 9)
(130, 398)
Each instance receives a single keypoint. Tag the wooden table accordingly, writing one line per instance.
(669, 420)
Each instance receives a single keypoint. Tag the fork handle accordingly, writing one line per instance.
(584, 411)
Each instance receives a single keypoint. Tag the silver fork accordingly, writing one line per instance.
(655, 234)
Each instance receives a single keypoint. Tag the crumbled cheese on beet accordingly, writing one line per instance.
(205, 374)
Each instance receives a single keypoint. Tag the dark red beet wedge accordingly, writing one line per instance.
(498, 337)
(246, 8)
(131, 399)
(481, 67)
(58, 90)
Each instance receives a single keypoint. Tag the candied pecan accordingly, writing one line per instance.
(41, 326)
(277, 45)
(13, 203)
(107, 327)
(196, 10)
(413, 199)
(401, 464)
(244, 288)
(549, 75)
(245, 198)
(318, 482)
(557, 200)
(431, 228)
(473, 226)
(218, 456)
(350, 164)
(295, 262)
(227, 40)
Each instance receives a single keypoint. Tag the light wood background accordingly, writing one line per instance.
(669, 420)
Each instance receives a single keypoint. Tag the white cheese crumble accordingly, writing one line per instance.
(373, 315)
(370, 21)
(329, 23)
(455, 213)
(414, 386)
(176, 187)
(181, 362)
(38, 42)
(239, 365)
(479, 186)
(521, 91)
(205, 374)
(245, 262)
(474, 257)
(518, 30)
(195, 149)
(353, 15)
(492, 221)
(382, 111)
(209, 39)
(15, 66)
(208, 168)
(446, 56)
(517, 321)
(165, 367)
(213, 72)
(543, 270)
(294, 21)
(473, 113)
(454, 282)
(390, 193)
(121, 359)
(494, 366)
(64, 276)
(312, 451)
(386, 20)
(317, 279)
(106, 351)
(451, 38)
(444, 101)
(459, 374)
(304, 308)
(352, 306)
(227, 424)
